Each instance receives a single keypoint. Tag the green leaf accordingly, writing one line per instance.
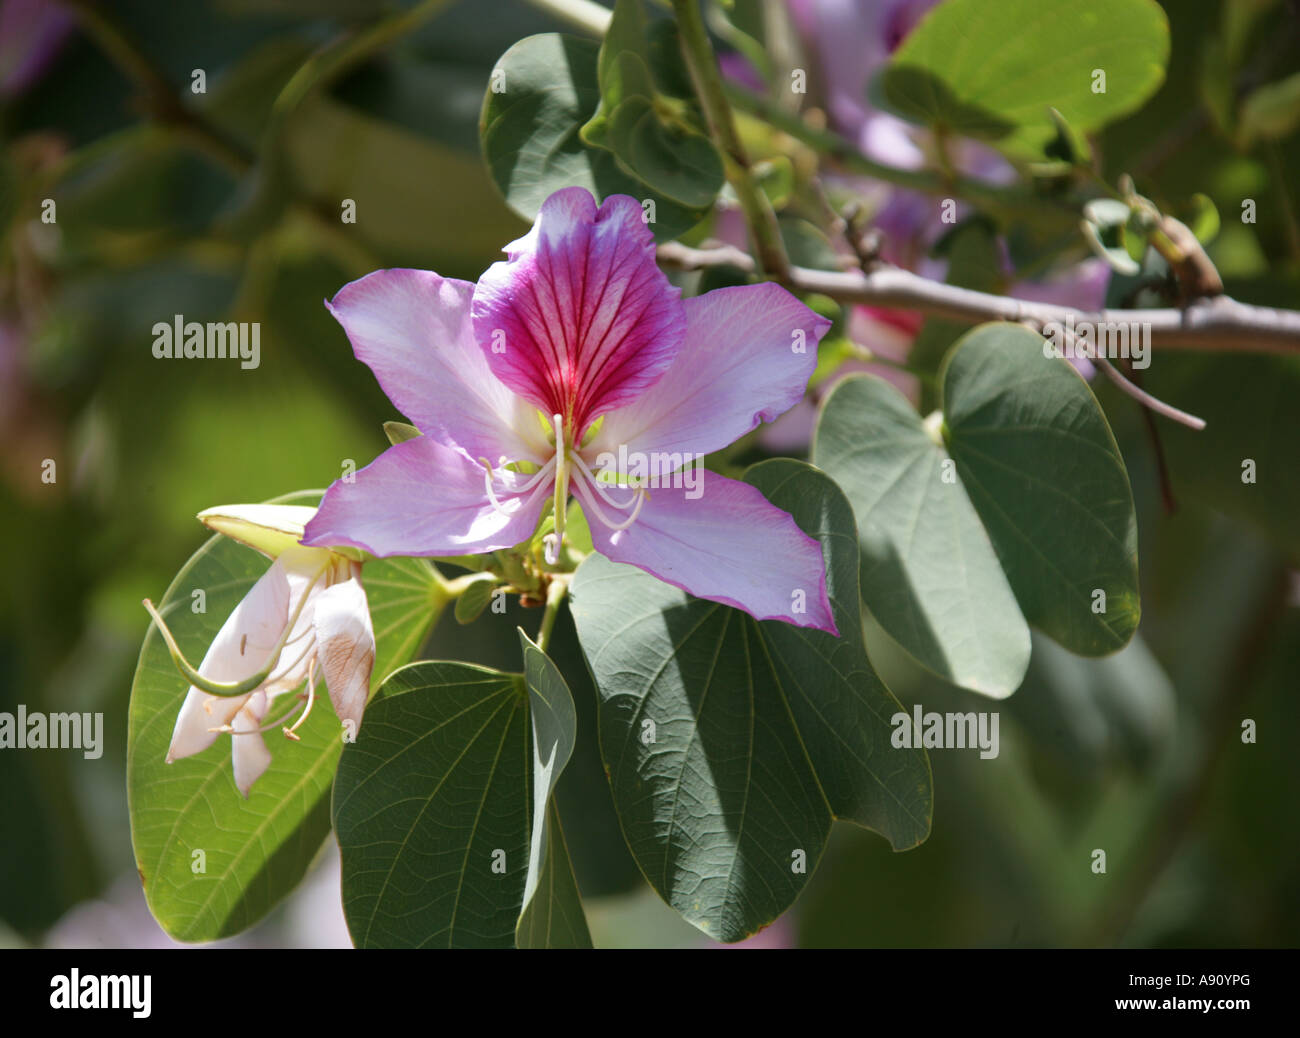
(336, 151)
(994, 70)
(552, 915)
(474, 599)
(531, 140)
(731, 743)
(930, 575)
(1203, 220)
(776, 177)
(1271, 112)
(1041, 466)
(444, 812)
(650, 141)
(922, 97)
(431, 810)
(400, 432)
(254, 851)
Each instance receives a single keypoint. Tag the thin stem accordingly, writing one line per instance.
(703, 66)
(1146, 399)
(1220, 323)
(559, 587)
(450, 590)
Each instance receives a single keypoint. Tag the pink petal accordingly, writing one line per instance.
(239, 650)
(345, 647)
(249, 755)
(729, 544)
(746, 358)
(579, 320)
(413, 329)
(421, 498)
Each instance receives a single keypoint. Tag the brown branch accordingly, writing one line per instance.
(1221, 323)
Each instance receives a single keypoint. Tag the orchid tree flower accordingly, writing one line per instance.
(574, 366)
(305, 618)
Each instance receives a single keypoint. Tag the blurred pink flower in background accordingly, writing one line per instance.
(847, 42)
(31, 33)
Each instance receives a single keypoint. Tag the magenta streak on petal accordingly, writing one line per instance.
(580, 315)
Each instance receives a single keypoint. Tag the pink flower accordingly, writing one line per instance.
(574, 365)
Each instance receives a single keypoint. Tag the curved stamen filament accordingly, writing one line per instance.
(600, 487)
(311, 646)
(534, 484)
(311, 699)
(641, 495)
(226, 729)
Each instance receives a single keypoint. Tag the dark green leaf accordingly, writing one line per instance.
(530, 133)
(730, 743)
(431, 810)
(1037, 457)
(552, 915)
(985, 69)
(930, 576)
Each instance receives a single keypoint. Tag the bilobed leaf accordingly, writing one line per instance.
(994, 69)
(431, 810)
(731, 744)
(1038, 459)
(531, 140)
(552, 915)
(253, 852)
(930, 576)
(444, 811)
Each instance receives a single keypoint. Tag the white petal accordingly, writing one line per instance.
(345, 647)
(250, 756)
(239, 650)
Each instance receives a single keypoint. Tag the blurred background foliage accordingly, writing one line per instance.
(1139, 754)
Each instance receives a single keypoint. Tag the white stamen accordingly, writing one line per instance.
(311, 647)
(311, 698)
(599, 486)
(534, 484)
(641, 495)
